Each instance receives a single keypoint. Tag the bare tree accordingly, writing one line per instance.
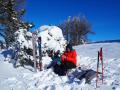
(76, 29)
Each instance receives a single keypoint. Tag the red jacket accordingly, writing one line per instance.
(70, 56)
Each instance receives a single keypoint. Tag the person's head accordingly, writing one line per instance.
(69, 48)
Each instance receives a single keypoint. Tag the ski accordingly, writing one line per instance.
(34, 51)
(40, 53)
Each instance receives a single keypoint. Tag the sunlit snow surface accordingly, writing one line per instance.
(26, 79)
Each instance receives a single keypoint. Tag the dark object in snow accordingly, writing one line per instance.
(88, 74)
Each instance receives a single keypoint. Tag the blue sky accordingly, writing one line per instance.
(104, 15)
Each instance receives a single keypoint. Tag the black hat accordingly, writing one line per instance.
(69, 46)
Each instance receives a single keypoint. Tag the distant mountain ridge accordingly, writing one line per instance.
(106, 41)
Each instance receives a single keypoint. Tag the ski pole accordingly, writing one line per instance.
(97, 70)
(101, 58)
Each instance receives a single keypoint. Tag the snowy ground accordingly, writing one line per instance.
(25, 79)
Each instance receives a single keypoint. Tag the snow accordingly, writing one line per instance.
(26, 79)
(52, 38)
(21, 38)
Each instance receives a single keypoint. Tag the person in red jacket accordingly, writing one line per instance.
(68, 59)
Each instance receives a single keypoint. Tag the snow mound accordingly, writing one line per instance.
(52, 38)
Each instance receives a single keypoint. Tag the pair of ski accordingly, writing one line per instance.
(99, 76)
(37, 64)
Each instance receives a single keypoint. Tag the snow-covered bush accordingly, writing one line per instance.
(23, 46)
(51, 39)
(24, 38)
